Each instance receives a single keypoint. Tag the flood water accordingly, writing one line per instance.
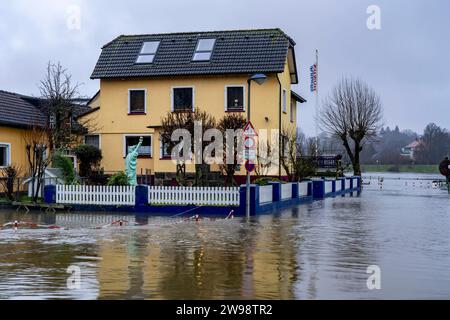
(314, 251)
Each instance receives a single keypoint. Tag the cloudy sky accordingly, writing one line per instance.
(406, 61)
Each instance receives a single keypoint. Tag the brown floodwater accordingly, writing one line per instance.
(314, 251)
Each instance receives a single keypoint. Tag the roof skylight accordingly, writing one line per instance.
(204, 50)
(148, 52)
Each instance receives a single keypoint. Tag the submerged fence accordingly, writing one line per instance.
(96, 195)
(143, 198)
(194, 196)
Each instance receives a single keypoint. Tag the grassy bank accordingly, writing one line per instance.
(401, 168)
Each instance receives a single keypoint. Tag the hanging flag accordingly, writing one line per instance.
(313, 70)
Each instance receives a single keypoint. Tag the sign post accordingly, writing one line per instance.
(250, 155)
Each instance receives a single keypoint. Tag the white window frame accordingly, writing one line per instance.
(244, 96)
(99, 139)
(172, 96)
(293, 107)
(161, 151)
(148, 54)
(137, 135)
(129, 100)
(8, 153)
(204, 51)
(284, 101)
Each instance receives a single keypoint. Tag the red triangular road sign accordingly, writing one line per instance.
(249, 130)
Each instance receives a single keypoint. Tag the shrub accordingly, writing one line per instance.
(89, 158)
(394, 168)
(118, 179)
(8, 177)
(66, 166)
(265, 181)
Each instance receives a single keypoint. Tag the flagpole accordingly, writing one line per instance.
(317, 102)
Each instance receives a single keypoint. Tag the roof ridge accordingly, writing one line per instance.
(200, 32)
(20, 95)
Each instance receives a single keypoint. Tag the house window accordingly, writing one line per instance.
(92, 140)
(133, 140)
(204, 50)
(293, 105)
(5, 155)
(52, 122)
(284, 101)
(235, 98)
(137, 101)
(165, 151)
(183, 99)
(148, 52)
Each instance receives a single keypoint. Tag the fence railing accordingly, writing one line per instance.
(265, 194)
(347, 183)
(198, 196)
(338, 185)
(328, 187)
(96, 195)
(286, 191)
(303, 189)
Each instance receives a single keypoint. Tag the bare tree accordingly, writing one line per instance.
(231, 121)
(57, 103)
(299, 154)
(352, 113)
(186, 120)
(38, 157)
(8, 177)
(289, 152)
(265, 158)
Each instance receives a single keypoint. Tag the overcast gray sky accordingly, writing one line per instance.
(406, 62)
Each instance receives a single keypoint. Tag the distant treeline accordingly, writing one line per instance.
(433, 145)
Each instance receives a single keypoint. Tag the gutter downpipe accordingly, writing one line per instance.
(279, 126)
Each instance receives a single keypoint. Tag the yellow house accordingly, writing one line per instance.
(17, 114)
(143, 77)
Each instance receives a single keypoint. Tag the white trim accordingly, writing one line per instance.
(197, 51)
(137, 135)
(129, 99)
(8, 153)
(99, 139)
(284, 100)
(244, 96)
(182, 87)
(293, 106)
(148, 54)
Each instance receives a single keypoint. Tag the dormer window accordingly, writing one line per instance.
(148, 52)
(204, 50)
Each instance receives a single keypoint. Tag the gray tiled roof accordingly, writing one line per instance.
(18, 110)
(240, 51)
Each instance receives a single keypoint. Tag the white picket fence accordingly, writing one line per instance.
(95, 195)
(265, 194)
(197, 196)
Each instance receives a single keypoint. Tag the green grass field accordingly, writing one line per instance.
(401, 168)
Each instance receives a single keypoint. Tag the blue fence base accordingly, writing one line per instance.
(166, 211)
(316, 191)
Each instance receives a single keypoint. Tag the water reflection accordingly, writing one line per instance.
(318, 250)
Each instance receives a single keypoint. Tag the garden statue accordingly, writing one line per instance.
(131, 163)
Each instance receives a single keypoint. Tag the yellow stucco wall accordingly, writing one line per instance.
(15, 138)
(113, 121)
